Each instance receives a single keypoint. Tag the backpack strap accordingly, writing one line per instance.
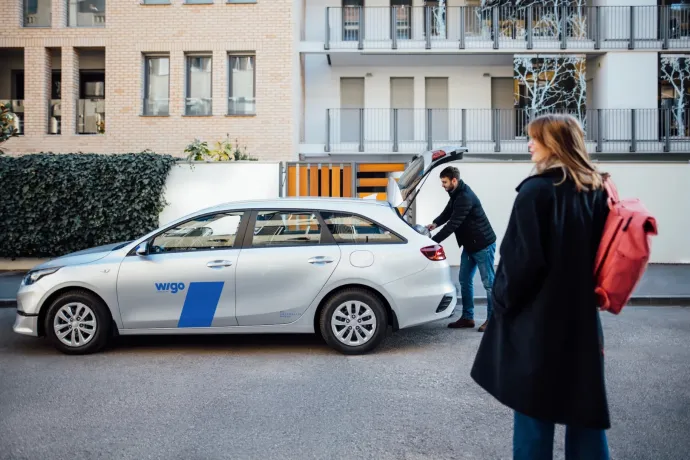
(612, 192)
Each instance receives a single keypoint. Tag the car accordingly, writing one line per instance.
(347, 269)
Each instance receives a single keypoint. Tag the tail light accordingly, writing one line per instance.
(434, 252)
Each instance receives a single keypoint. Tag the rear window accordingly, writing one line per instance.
(347, 228)
(411, 177)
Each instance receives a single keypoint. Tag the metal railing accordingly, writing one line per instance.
(508, 27)
(198, 106)
(501, 130)
(90, 116)
(86, 14)
(241, 106)
(156, 107)
(16, 106)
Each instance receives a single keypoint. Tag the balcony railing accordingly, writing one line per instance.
(198, 106)
(508, 27)
(91, 116)
(500, 130)
(241, 106)
(16, 106)
(86, 14)
(156, 107)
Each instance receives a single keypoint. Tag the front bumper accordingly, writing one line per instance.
(26, 324)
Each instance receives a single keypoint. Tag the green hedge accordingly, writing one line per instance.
(54, 204)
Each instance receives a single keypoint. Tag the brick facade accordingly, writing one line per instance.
(132, 29)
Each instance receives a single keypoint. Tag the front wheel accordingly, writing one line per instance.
(77, 323)
(353, 321)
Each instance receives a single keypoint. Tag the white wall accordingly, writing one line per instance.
(663, 187)
(467, 88)
(627, 80)
(208, 184)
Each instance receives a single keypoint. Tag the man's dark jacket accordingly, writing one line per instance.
(541, 354)
(465, 217)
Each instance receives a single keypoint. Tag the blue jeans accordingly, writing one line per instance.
(533, 440)
(469, 262)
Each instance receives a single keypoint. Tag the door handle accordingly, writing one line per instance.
(219, 264)
(320, 260)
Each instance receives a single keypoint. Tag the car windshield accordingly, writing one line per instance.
(411, 177)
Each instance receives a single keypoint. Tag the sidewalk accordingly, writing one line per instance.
(661, 285)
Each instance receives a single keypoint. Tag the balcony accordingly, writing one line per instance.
(91, 116)
(499, 130)
(511, 28)
(86, 13)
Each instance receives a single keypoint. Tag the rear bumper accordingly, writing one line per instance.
(418, 297)
(26, 324)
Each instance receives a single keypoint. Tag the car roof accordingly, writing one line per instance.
(344, 204)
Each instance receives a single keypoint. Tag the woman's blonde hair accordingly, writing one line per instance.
(563, 136)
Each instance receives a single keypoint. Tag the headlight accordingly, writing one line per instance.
(36, 275)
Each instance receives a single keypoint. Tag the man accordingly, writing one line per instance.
(465, 217)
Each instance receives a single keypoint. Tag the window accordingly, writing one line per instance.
(156, 85)
(86, 13)
(286, 228)
(37, 13)
(212, 232)
(242, 92)
(347, 228)
(199, 83)
(197, 2)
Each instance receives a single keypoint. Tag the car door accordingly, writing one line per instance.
(287, 258)
(187, 277)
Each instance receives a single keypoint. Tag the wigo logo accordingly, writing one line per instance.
(173, 288)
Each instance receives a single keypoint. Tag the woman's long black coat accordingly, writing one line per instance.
(542, 352)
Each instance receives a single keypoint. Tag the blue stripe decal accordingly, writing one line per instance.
(200, 304)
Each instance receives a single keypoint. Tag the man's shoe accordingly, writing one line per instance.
(482, 328)
(462, 323)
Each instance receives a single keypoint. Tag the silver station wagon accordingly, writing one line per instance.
(347, 269)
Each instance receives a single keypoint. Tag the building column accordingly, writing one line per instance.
(220, 82)
(70, 90)
(58, 13)
(36, 90)
(178, 64)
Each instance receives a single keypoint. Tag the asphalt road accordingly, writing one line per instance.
(288, 397)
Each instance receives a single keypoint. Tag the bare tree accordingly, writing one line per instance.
(552, 84)
(675, 70)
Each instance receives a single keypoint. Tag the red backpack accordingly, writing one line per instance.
(624, 250)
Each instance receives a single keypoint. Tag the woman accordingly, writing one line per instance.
(542, 352)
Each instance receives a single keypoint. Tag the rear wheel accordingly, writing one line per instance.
(77, 323)
(353, 321)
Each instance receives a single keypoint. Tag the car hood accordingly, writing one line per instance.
(82, 257)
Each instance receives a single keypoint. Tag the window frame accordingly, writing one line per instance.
(148, 56)
(239, 238)
(402, 239)
(325, 239)
(187, 80)
(240, 54)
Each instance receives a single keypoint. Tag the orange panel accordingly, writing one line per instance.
(335, 184)
(292, 181)
(381, 167)
(314, 180)
(325, 180)
(303, 174)
(372, 182)
(347, 181)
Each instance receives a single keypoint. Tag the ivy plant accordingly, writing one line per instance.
(54, 204)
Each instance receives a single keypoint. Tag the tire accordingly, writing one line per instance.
(95, 317)
(361, 304)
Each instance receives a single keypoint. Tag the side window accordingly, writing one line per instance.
(217, 231)
(286, 228)
(347, 228)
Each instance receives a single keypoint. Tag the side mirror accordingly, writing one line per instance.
(142, 249)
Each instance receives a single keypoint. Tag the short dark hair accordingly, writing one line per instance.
(450, 173)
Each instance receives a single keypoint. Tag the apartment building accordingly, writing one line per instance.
(384, 79)
(128, 75)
